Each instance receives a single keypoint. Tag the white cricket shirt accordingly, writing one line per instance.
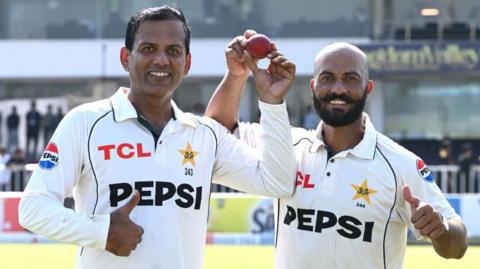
(348, 211)
(100, 153)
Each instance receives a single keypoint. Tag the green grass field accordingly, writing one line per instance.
(56, 256)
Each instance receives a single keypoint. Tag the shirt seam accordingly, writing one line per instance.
(91, 164)
(391, 209)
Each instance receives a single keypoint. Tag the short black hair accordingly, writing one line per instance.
(162, 13)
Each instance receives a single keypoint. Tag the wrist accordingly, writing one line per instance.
(271, 100)
(237, 75)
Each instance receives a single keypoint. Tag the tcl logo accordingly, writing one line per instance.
(304, 181)
(124, 151)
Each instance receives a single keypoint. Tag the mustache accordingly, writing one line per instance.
(333, 96)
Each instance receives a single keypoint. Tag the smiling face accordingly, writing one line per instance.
(158, 61)
(340, 86)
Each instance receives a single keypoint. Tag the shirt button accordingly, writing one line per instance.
(328, 174)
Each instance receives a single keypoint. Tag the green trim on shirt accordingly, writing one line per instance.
(149, 127)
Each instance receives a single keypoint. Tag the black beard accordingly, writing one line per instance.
(337, 118)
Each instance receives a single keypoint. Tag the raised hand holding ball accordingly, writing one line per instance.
(259, 46)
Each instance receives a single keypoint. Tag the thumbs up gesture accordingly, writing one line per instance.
(124, 235)
(425, 218)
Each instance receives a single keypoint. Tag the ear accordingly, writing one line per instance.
(370, 86)
(188, 63)
(124, 57)
(312, 86)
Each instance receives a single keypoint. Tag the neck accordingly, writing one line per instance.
(345, 137)
(157, 111)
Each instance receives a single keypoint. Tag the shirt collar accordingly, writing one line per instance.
(365, 149)
(123, 109)
(318, 141)
(182, 117)
(121, 106)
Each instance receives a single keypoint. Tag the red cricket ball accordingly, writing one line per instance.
(259, 46)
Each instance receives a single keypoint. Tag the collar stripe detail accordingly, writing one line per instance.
(113, 111)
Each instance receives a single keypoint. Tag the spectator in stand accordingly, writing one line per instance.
(59, 116)
(445, 157)
(49, 123)
(13, 120)
(466, 160)
(4, 171)
(33, 118)
(17, 167)
(445, 152)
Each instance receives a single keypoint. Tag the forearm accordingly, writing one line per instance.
(47, 216)
(453, 243)
(266, 165)
(224, 106)
(278, 157)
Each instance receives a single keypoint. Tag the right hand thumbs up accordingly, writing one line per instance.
(124, 234)
(131, 204)
(410, 198)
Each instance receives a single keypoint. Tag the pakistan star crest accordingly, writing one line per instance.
(363, 191)
(188, 154)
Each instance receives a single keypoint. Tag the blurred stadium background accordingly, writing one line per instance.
(424, 57)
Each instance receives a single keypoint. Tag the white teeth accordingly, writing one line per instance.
(159, 74)
(338, 102)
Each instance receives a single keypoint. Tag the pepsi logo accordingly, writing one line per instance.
(49, 157)
(424, 172)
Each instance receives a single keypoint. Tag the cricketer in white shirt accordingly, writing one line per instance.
(348, 210)
(353, 202)
(101, 152)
